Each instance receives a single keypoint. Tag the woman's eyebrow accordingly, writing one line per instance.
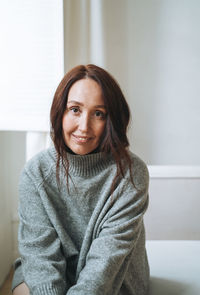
(81, 104)
(100, 106)
(75, 101)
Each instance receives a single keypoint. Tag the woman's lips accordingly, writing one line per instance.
(81, 139)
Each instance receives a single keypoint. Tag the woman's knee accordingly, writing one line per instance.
(21, 289)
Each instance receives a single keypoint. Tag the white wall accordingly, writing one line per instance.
(12, 159)
(5, 219)
(152, 47)
(173, 212)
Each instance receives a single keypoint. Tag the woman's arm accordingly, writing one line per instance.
(43, 264)
(110, 252)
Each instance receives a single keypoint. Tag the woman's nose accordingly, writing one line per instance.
(84, 123)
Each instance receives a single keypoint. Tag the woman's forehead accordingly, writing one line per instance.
(86, 91)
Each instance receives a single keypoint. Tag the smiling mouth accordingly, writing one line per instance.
(81, 139)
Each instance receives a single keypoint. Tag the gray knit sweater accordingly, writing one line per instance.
(83, 241)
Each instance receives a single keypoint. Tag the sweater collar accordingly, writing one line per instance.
(88, 165)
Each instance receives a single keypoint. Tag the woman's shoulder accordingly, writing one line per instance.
(140, 173)
(41, 165)
(137, 161)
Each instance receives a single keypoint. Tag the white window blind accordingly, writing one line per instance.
(32, 62)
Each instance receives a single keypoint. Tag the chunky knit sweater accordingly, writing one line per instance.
(82, 240)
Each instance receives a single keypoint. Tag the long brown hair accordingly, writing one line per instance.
(114, 139)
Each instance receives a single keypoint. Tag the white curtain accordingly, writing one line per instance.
(31, 62)
(83, 32)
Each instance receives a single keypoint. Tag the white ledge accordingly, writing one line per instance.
(174, 171)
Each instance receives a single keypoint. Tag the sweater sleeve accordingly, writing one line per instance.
(110, 252)
(43, 264)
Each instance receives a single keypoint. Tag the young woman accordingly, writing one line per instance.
(82, 201)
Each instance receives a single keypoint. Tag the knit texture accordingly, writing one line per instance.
(82, 240)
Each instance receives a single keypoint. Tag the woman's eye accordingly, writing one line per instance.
(74, 109)
(100, 114)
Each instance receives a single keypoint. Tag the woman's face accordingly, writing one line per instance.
(85, 117)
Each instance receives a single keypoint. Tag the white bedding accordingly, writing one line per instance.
(174, 267)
